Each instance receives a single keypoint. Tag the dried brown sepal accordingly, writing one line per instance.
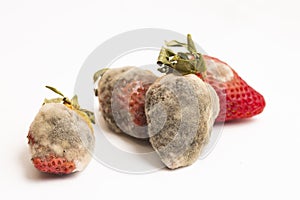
(182, 62)
(99, 74)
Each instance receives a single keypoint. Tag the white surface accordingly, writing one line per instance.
(46, 43)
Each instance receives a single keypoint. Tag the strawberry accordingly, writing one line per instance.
(61, 136)
(237, 99)
(121, 93)
(180, 112)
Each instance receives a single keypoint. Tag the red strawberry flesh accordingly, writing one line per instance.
(54, 165)
(137, 91)
(238, 100)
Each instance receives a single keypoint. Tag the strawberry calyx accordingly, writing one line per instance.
(191, 62)
(70, 103)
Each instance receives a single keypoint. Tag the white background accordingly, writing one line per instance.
(45, 43)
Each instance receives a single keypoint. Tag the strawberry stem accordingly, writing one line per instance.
(64, 99)
(73, 102)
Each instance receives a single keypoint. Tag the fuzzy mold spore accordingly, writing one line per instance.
(219, 70)
(59, 130)
(114, 89)
(180, 112)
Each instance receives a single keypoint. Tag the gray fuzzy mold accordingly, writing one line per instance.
(180, 112)
(113, 89)
(58, 130)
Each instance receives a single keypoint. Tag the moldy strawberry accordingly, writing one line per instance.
(61, 137)
(121, 93)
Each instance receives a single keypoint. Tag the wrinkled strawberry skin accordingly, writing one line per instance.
(135, 92)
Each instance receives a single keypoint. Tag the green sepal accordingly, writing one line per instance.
(74, 102)
(55, 90)
(175, 43)
(164, 56)
(99, 74)
(190, 45)
(90, 115)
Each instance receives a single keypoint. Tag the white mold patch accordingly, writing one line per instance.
(220, 71)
